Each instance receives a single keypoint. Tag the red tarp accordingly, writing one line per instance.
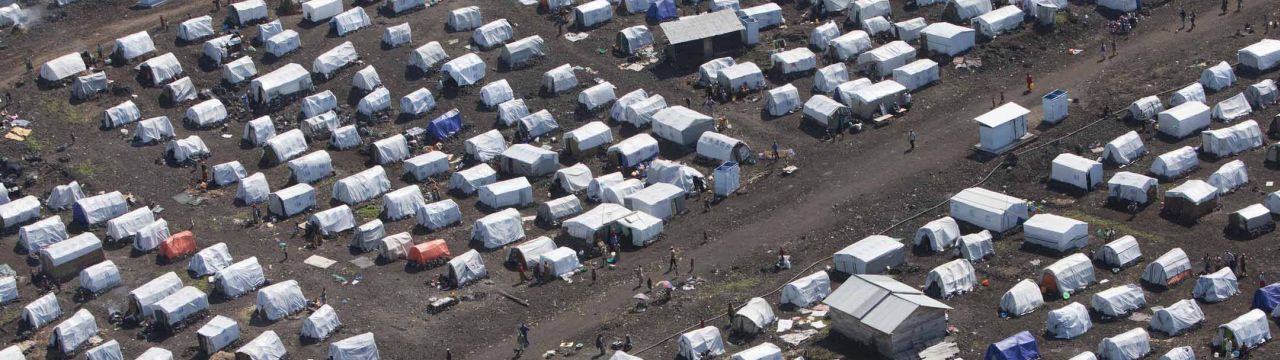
(178, 245)
(429, 251)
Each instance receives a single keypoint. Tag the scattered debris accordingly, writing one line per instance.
(574, 37)
(363, 262)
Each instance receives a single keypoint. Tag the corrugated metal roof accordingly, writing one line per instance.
(879, 301)
(701, 26)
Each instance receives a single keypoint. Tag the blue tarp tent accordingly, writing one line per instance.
(446, 126)
(661, 10)
(1267, 297)
(1020, 346)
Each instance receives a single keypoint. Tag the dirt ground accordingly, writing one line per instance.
(858, 185)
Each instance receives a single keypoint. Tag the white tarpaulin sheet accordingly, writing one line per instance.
(938, 234)
(872, 255)
(403, 202)
(395, 246)
(695, 343)
(1068, 275)
(948, 39)
(134, 45)
(754, 317)
(734, 77)
(988, 209)
(975, 247)
(1229, 177)
(107, 351)
(510, 112)
(124, 226)
(319, 10)
(516, 192)
(1193, 92)
(142, 297)
(311, 167)
(1068, 322)
(783, 100)
(180, 306)
(1119, 253)
(375, 102)
(427, 165)
(708, 71)
(239, 278)
(496, 92)
(1119, 300)
(283, 43)
(239, 70)
(281, 299)
(486, 146)
(1124, 149)
(218, 334)
(1071, 169)
(574, 178)
(829, 77)
(822, 35)
(1129, 345)
(1023, 298)
(1177, 318)
(470, 180)
(807, 290)
(191, 148)
(1232, 140)
(99, 208)
(125, 113)
(467, 268)
(1248, 330)
(917, 74)
(560, 261)
(1262, 94)
(74, 332)
(417, 102)
(332, 221)
(597, 96)
(359, 347)
(999, 21)
(640, 113)
(43, 311)
(62, 196)
(681, 125)
(426, 57)
(62, 67)
(196, 29)
(266, 346)
(246, 12)
(1217, 286)
(1175, 163)
(287, 80)
(882, 60)
(538, 124)
(207, 114)
(795, 60)
(588, 137)
(952, 278)
(498, 229)
(850, 45)
(519, 52)
(210, 260)
(1217, 77)
(336, 58)
(493, 34)
(464, 19)
(619, 110)
(368, 235)
(362, 186)
(530, 251)
(1261, 56)
(588, 224)
(596, 189)
(321, 323)
(593, 13)
(228, 173)
(286, 146)
(963, 10)
(440, 214)
(41, 234)
(320, 103)
(680, 175)
(366, 79)
(19, 211)
(395, 36)
(1232, 108)
(391, 150)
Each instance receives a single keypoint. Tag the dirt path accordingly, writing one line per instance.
(867, 175)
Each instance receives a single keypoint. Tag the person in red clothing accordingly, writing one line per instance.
(1031, 83)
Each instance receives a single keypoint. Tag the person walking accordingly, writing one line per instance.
(1243, 269)
(1031, 82)
(164, 25)
(1102, 53)
(1193, 19)
(1115, 50)
(593, 276)
(639, 277)
(1182, 13)
(690, 264)
(672, 263)
(1224, 6)
(524, 335)
(775, 150)
(600, 343)
(911, 137)
(1239, 5)
(284, 248)
(448, 354)
(648, 284)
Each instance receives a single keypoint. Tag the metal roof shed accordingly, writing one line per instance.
(704, 34)
(892, 317)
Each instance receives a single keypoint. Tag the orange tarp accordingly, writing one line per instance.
(178, 245)
(429, 251)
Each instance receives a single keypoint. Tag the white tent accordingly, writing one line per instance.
(917, 74)
(283, 43)
(640, 113)
(366, 79)
(96, 209)
(425, 166)
(1177, 318)
(141, 298)
(362, 186)
(1069, 274)
(1217, 77)
(963, 10)
(1119, 253)
(588, 138)
(41, 234)
(592, 223)
(467, 268)
(1232, 108)
(217, 334)
(783, 100)
(128, 224)
(1195, 192)
(680, 175)
(1229, 177)
(554, 210)
(560, 262)
(765, 351)
(85, 87)
(155, 353)
(320, 323)
(220, 48)
(210, 260)
(493, 34)
(593, 13)
(596, 189)
(722, 148)
(417, 102)
(1124, 149)
(807, 290)
(195, 29)
(1129, 345)
(717, 5)
(395, 36)
(12, 14)
(332, 221)
(125, 113)
(766, 14)
(109, 350)
(631, 40)
(62, 196)
(617, 193)
(860, 10)
(391, 149)
(794, 61)
(149, 237)
(465, 18)
(395, 246)
(375, 102)
(440, 214)
(265, 346)
(619, 110)
(975, 247)
(133, 45)
(999, 21)
(249, 11)
(871, 255)
(346, 137)
(228, 172)
(19, 211)
(1262, 94)
(334, 59)
(510, 112)
(869, 101)
(284, 81)
(575, 178)
(100, 277)
(367, 236)
(180, 306)
(426, 57)
(1118, 301)
(1068, 322)
(1217, 286)
(753, 318)
(950, 279)
(537, 124)
(1193, 92)
(948, 39)
(909, 30)
(734, 77)
(829, 77)
(709, 71)
(1252, 220)
(1260, 56)
(318, 10)
(1145, 108)
(191, 148)
(320, 103)
(206, 114)
(518, 53)
(528, 160)
(1002, 127)
(988, 209)
(281, 299)
(43, 311)
(239, 70)
(639, 228)
(496, 92)
(1071, 169)
(62, 67)
(311, 167)
(292, 200)
(498, 229)
(597, 96)
(825, 111)
(848, 46)
(1175, 163)
(680, 125)
(516, 192)
(821, 35)
(661, 200)
(695, 343)
(882, 60)
(1246, 331)
(73, 332)
(470, 180)
(530, 252)
(938, 235)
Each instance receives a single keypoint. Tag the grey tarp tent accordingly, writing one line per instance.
(88, 86)
(281, 299)
(390, 150)
(1119, 253)
(334, 59)
(97, 209)
(521, 52)
(367, 235)
(418, 102)
(64, 259)
(153, 130)
(362, 186)
(588, 138)
(74, 332)
(428, 165)
(100, 277)
(196, 29)
(42, 311)
(754, 317)
(191, 148)
(402, 203)
(1217, 286)
(292, 200)
(528, 160)
(597, 96)
(426, 57)
(872, 255)
(515, 192)
(41, 234)
(536, 125)
(398, 35)
(1169, 269)
(181, 91)
(496, 92)
(1068, 275)
(120, 115)
(311, 167)
(321, 323)
(510, 112)
(142, 297)
(210, 260)
(239, 278)
(359, 347)
(575, 178)
(109, 350)
(470, 180)
(439, 214)
(332, 221)
(807, 290)
(498, 229)
(19, 211)
(217, 334)
(1177, 318)
(493, 34)
(938, 235)
(267, 346)
(1129, 345)
(281, 82)
(1217, 77)
(465, 70)
(1124, 149)
(62, 197)
(133, 45)
(280, 44)
(1246, 331)
(62, 67)
(239, 70)
(1118, 301)
(253, 189)
(828, 78)
(346, 137)
(486, 146)
(1068, 322)
(782, 100)
(465, 18)
(149, 237)
(681, 125)
(975, 247)
(228, 173)
(181, 306)
(376, 102)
